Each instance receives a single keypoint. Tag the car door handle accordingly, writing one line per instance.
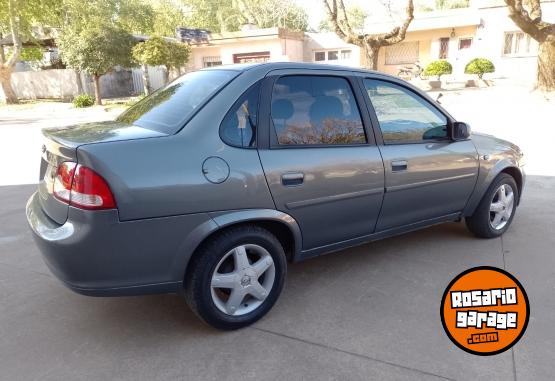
(292, 179)
(399, 165)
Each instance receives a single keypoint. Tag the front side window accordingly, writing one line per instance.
(167, 109)
(239, 125)
(404, 116)
(308, 110)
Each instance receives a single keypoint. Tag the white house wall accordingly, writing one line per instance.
(490, 41)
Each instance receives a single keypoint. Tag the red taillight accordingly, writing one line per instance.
(82, 187)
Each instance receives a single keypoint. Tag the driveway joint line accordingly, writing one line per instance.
(352, 353)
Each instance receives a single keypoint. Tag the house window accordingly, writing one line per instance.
(443, 48)
(211, 61)
(403, 53)
(319, 56)
(332, 55)
(251, 57)
(517, 44)
(465, 43)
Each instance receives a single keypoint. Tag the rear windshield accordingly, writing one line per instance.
(168, 108)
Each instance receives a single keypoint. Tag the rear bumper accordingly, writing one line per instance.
(95, 254)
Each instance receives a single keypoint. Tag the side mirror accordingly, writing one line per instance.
(460, 131)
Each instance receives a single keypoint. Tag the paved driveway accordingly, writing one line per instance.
(367, 313)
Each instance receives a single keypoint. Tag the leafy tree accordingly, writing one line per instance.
(356, 16)
(438, 68)
(479, 66)
(168, 15)
(370, 44)
(158, 51)
(133, 16)
(16, 19)
(179, 55)
(527, 15)
(273, 13)
(215, 15)
(97, 51)
(225, 16)
(452, 4)
(32, 54)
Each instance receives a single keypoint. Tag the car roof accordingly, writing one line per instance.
(269, 66)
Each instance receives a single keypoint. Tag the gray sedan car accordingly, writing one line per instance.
(211, 185)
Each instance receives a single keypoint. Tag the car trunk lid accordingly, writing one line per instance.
(61, 144)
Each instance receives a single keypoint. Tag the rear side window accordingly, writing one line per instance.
(315, 110)
(167, 109)
(238, 128)
(404, 116)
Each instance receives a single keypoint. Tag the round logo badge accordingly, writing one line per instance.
(485, 310)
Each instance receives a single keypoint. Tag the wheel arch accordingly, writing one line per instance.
(282, 225)
(516, 174)
(487, 176)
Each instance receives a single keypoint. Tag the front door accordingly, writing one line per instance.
(320, 166)
(427, 175)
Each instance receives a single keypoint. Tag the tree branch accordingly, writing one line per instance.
(398, 33)
(345, 19)
(331, 10)
(530, 25)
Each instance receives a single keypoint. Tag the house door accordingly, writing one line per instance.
(443, 48)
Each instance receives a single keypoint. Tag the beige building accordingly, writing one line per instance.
(248, 45)
(458, 35)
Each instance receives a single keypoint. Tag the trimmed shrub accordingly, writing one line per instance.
(83, 100)
(438, 68)
(479, 66)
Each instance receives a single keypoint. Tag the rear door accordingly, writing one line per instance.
(427, 175)
(322, 166)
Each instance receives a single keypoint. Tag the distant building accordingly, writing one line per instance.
(458, 35)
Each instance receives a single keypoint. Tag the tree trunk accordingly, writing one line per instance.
(146, 80)
(546, 66)
(370, 56)
(79, 82)
(166, 75)
(5, 81)
(96, 79)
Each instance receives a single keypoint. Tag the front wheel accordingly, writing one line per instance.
(236, 278)
(496, 211)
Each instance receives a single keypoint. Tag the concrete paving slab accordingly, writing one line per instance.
(530, 256)
(370, 312)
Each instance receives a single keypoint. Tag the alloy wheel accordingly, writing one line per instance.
(243, 279)
(501, 207)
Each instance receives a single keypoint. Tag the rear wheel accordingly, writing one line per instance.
(495, 212)
(236, 278)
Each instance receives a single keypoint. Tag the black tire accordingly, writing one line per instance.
(199, 274)
(479, 223)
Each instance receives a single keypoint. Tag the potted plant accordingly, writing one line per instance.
(438, 68)
(478, 66)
